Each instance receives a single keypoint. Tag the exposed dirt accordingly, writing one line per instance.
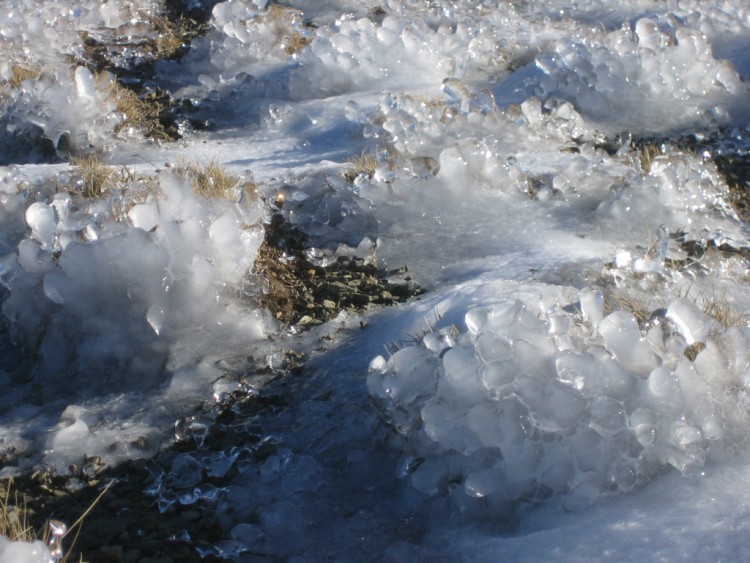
(296, 291)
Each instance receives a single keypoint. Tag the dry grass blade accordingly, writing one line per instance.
(638, 306)
(78, 523)
(172, 36)
(13, 523)
(137, 113)
(646, 155)
(720, 309)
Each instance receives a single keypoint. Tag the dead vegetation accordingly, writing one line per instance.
(95, 176)
(364, 163)
(295, 43)
(647, 152)
(148, 112)
(173, 36)
(637, 305)
(123, 61)
(735, 168)
(288, 28)
(13, 516)
(209, 180)
(20, 74)
(16, 515)
(717, 306)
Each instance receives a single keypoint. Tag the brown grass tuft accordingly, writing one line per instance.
(209, 180)
(13, 524)
(96, 177)
(172, 36)
(364, 163)
(718, 307)
(646, 155)
(145, 113)
(20, 74)
(638, 306)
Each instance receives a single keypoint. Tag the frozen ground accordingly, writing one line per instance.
(574, 383)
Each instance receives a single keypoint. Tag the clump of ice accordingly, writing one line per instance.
(103, 295)
(123, 283)
(357, 52)
(63, 108)
(645, 80)
(680, 192)
(532, 402)
(23, 552)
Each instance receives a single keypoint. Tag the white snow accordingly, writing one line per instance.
(568, 388)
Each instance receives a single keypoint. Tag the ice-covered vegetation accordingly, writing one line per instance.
(564, 180)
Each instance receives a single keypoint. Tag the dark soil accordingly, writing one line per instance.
(296, 291)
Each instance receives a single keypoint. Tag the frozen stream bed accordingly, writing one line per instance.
(565, 181)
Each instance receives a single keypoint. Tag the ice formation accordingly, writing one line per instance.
(57, 109)
(592, 346)
(118, 288)
(534, 401)
(650, 76)
(23, 552)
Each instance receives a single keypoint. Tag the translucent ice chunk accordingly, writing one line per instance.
(475, 320)
(354, 113)
(693, 323)
(155, 316)
(429, 476)
(54, 287)
(144, 216)
(33, 259)
(648, 33)
(607, 416)
(458, 93)
(186, 471)
(70, 435)
(623, 338)
(553, 406)
(592, 306)
(84, 82)
(643, 422)
(40, 218)
(665, 388)
(559, 323)
(556, 469)
(486, 482)
(497, 377)
(454, 169)
(460, 367)
(491, 349)
(484, 422)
